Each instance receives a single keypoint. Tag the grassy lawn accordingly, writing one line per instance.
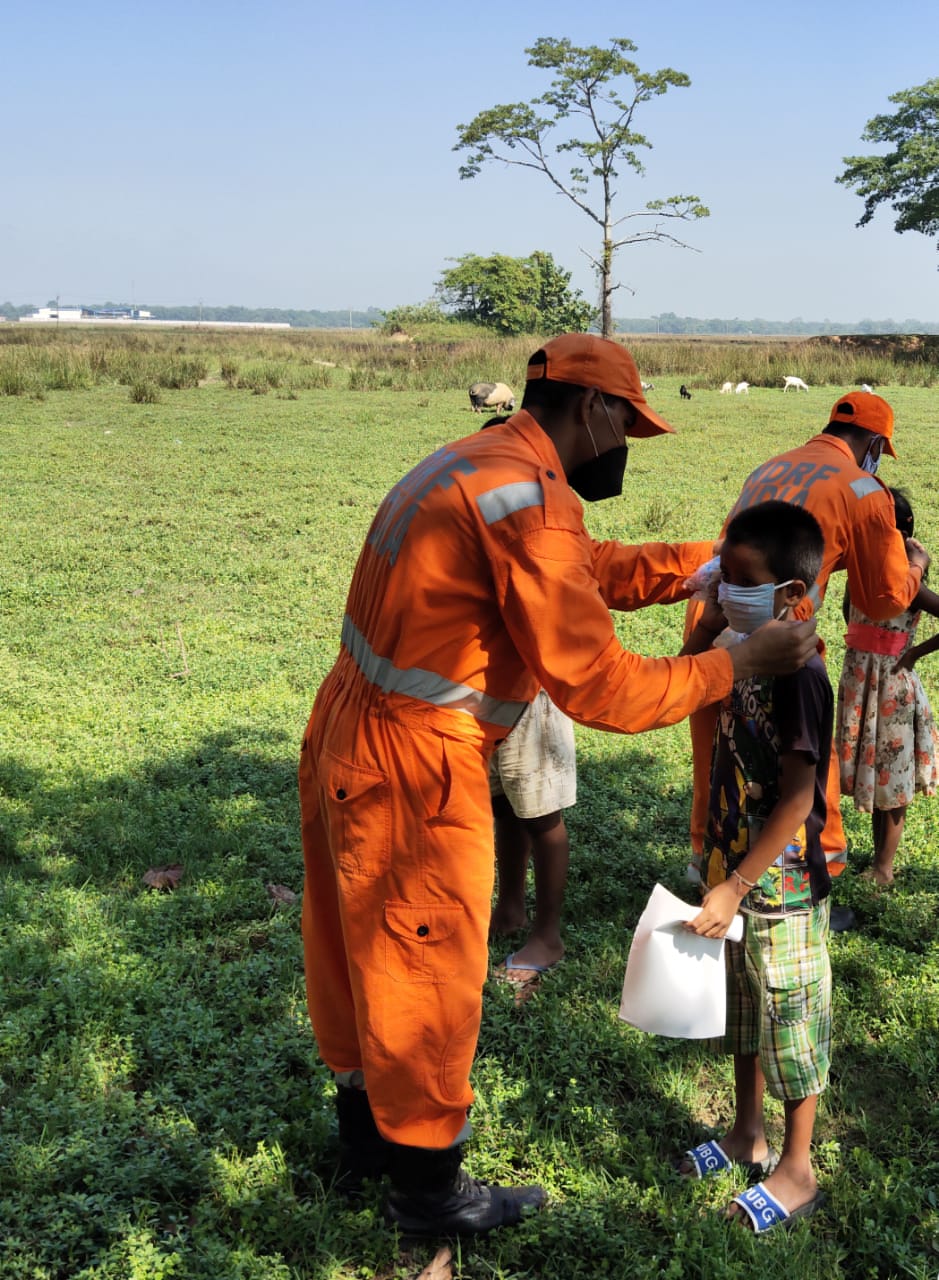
(173, 578)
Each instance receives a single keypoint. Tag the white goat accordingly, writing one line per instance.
(647, 386)
(866, 386)
(797, 383)
(727, 389)
(742, 389)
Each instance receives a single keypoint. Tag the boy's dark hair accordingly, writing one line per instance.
(903, 512)
(789, 538)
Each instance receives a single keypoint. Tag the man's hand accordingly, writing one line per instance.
(917, 553)
(775, 649)
(712, 617)
(717, 911)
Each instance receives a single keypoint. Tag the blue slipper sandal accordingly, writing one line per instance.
(764, 1211)
(709, 1158)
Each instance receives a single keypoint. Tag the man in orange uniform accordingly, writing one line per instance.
(477, 585)
(833, 477)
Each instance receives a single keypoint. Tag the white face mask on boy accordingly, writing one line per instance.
(747, 608)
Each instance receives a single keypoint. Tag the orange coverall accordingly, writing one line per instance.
(857, 518)
(477, 584)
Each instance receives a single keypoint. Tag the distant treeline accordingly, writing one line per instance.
(246, 315)
(667, 322)
(670, 323)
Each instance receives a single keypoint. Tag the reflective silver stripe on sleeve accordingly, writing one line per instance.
(864, 486)
(509, 498)
(426, 686)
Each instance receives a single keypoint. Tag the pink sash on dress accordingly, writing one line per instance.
(871, 639)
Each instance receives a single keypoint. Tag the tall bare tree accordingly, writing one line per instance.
(605, 89)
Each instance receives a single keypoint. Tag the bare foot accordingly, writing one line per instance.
(876, 875)
(535, 956)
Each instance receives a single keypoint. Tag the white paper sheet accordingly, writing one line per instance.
(674, 983)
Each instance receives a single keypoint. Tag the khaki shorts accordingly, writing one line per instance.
(535, 768)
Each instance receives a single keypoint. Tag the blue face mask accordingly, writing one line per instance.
(747, 608)
(871, 461)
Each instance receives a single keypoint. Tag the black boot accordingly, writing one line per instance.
(432, 1195)
(363, 1152)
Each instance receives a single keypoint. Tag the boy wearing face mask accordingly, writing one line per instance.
(763, 857)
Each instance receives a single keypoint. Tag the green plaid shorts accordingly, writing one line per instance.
(779, 1000)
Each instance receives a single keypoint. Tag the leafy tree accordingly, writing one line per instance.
(907, 178)
(585, 85)
(514, 295)
(561, 308)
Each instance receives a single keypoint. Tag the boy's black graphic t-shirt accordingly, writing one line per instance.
(762, 718)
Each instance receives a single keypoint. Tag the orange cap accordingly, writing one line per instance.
(588, 361)
(869, 412)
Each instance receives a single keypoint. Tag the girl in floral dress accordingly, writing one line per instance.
(885, 734)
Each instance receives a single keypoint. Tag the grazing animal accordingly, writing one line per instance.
(865, 386)
(647, 386)
(790, 381)
(491, 395)
(742, 389)
(684, 392)
(727, 389)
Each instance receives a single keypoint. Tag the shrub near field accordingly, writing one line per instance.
(173, 584)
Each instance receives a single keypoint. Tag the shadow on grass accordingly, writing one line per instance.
(162, 1112)
(159, 1081)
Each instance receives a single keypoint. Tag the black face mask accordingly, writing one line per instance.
(600, 477)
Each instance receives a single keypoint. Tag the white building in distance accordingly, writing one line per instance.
(136, 316)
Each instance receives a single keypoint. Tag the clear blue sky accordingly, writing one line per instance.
(300, 154)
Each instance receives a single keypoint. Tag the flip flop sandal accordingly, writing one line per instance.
(710, 1158)
(510, 971)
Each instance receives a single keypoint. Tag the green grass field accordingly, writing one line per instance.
(173, 579)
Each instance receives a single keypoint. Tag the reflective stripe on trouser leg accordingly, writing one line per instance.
(409, 825)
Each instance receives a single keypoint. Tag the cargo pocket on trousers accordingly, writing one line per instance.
(788, 1006)
(422, 943)
(358, 810)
